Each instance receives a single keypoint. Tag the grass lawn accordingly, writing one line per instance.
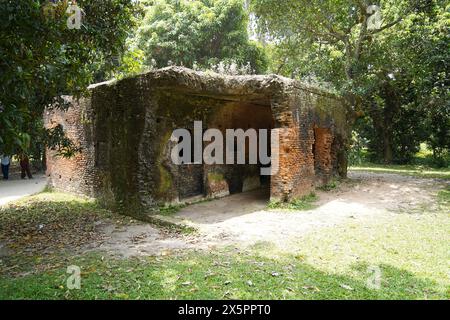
(410, 170)
(406, 253)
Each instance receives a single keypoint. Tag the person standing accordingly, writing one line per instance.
(5, 161)
(25, 166)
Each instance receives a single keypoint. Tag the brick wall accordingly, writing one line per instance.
(313, 131)
(124, 131)
(74, 175)
(323, 161)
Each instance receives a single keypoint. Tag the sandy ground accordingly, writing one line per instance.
(137, 240)
(14, 189)
(242, 220)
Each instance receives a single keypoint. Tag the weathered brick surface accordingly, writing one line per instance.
(322, 154)
(216, 185)
(296, 170)
(77, 174)
(124, 131)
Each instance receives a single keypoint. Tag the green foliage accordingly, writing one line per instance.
(197, 33)
(332, 185)
(407, 85)
(395, 75)
(41, 59)
(215, 177)
(132, 63)
(426, 157)
(56, 140)
(407, 131)
(170, 209)
(357, 153)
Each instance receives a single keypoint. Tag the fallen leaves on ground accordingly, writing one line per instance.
(41, 227)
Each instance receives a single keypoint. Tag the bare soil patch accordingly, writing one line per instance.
(243, 220)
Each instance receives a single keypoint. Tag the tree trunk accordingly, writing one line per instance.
(390, 111)
(387, 145)
(383, 121)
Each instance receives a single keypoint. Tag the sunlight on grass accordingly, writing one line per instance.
(409, 249)
(220, 275)
(444, 196)
(410, 170)
(49, 196)
(417, 244)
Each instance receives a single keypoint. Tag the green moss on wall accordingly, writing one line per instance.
(215, 177)
(165, 180)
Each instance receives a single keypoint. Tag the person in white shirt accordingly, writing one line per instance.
(5, 161)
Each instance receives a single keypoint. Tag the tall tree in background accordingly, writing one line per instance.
(360, 47)
(201, 33)
(42, 59)
(407, 86)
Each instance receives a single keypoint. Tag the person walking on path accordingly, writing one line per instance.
(5, 161)
(25, 166)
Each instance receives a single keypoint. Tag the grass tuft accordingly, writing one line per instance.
(330, 186)
(444, 197)
(302, 204)
(170, 209)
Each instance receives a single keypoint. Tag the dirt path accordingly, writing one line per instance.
(14, 189)
(242, 220)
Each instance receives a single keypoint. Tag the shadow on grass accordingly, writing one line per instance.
(221, 275)
(216, 276)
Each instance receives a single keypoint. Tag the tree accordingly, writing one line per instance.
(346, 43)
(432, 86)
(408, 81)
(198, 33)
(42, 59)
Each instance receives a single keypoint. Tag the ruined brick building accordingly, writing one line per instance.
(124, 127)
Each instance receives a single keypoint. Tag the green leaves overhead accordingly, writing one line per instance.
(393, 74)
(199, 33)
(41, 59)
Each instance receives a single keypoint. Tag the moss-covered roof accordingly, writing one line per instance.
(246, 87)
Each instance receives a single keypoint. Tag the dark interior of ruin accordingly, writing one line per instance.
(196, 180)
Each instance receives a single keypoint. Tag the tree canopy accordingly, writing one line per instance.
(198, 33)
(42, 59)
(390, 60)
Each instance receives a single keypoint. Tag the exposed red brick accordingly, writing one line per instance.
(123, 130)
